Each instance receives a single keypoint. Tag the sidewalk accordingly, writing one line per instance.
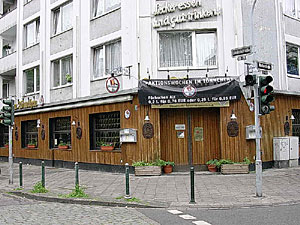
(280, 186)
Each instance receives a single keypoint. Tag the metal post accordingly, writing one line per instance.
(127, 181)
(10, 157)
(43, 173)
(21, 174)
(76, 174)
(258, 162)
(192, 185)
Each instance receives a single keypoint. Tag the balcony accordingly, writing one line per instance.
(8, 20)
(8, 64)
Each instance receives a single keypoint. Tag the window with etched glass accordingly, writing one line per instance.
(60, 132)
(29, 134)
(296, 123)
(32, 80)
(100, 7)
(105, 130)
(3, 136)
(292, 59)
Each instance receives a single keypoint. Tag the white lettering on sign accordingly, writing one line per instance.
(179, 126)
(169, 8)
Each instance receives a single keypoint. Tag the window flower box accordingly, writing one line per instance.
(237, 168)
(31, 146)
(107, 148)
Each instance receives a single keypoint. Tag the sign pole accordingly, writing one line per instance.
(10, 157)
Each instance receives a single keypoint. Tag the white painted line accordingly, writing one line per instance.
(175, 212)
(200, 222)
(187, 217)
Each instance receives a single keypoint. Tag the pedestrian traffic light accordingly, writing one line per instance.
(265, 91)
(250, 80)
(7, 114)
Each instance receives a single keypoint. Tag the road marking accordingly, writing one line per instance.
(187, 217)
(175, 212)
(200, 222)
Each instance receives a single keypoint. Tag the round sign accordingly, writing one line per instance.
(112, 85)
(189, 91)
(127, 113)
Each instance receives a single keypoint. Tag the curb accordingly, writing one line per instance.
(88, 201)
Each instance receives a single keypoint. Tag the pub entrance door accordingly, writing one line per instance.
(203, 136)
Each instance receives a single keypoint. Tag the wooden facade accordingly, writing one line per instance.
(165, 144)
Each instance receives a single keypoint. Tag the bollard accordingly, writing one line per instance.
(43, 173)
(192, 185)
(76, 174)
(127, 181)
(21, 174)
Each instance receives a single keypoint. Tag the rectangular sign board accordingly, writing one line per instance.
(245, 50)
(179, 126)
(264, 65)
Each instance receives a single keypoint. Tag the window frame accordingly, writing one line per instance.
(110, 126)
(4, 135)
(52, 132)
(104, 12)
(7, 89)
(104, 47)
(25, 133)
(298, 47)
(60, 72)
(35, 74)
(36, 32)
(296, 5)
(54, 30)
(194, 65)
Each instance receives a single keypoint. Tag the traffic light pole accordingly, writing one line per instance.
(10, 156)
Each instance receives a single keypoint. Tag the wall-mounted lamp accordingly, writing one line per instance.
(147, 118)
(73, 123)
(38, 123)
(292, 118)
(233, 116)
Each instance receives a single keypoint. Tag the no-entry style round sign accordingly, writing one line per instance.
(112, 85)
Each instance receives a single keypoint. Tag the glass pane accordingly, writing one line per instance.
(98, 63)
(206, 49)
(63, 124)
(38, 31)
(30, 34)
(37, 79)
(298, 9)
(56, 73)
(67, 16)
(98, 7)
(56, 22)
(29, 80)
(66, 70)
(175, 49)
(290, 7)
(113, 59)
(292, 60)
(112, 4)
(5, 91)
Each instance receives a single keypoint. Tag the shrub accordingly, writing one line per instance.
(38, 188)
(212, 162)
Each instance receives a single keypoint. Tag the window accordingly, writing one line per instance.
(177, 50)
(292, 59)
(32, 33)
(62, 18)
(292, 8)
(32, 80)
(29, 133)
(5, 90)
(27, 1)
(62, 71)
(112, 60)
(60, 132)
(296, 123)
(105, 130)
(102, 6)
(3, 135)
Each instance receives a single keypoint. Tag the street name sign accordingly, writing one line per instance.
(245, 50)
(264, 65)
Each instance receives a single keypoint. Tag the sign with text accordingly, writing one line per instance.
(246, 50)
(264, 65)
(186, 91)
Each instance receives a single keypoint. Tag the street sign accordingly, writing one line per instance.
(245, 50)
(264, 65)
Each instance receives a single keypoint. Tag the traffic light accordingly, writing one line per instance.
(7, 114)
(250, 80)
(265, 91)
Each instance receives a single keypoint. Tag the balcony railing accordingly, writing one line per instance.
(8, 62)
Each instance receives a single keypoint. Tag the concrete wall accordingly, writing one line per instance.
(31, 8)
(61, 94)
(61, 42)
(31, 54)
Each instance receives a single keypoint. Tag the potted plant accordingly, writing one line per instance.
(6, 145)
(142, 168)
(212, 165)
(68, 78)
(6, 47)
(31, 144)
(107, 146)
(63, 145)
(168, 166)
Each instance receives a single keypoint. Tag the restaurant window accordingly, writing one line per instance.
(107, 59)
(177, 50)
(29, 133)
(292, 8)
(32, 33)
(60, 132)
(100, 7)
(32, 80)
(62, 70)
(3, 135)
(62, 18)
(105, 130)
(296, 123)
(292, 59)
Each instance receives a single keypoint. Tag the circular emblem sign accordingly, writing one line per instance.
(127, 113)
(112, 85)
(189, 91)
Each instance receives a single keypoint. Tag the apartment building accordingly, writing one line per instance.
(80, 73)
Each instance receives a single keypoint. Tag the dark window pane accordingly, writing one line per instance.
(29, 80)
(292, 60)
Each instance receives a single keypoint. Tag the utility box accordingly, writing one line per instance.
(128, 135)
(286, 151)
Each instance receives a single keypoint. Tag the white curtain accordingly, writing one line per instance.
(298, 8)
(290, 7)
(67, 16)
(113, 59)
(206, 49)
(98, 63)
(30, 34)
(37, 32)
(56, 22)
(66, 68)
(97, 7)
(112, 4)
(175, 49)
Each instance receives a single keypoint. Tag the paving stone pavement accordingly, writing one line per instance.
(280, 186)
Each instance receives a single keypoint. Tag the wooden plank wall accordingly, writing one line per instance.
(144, 149)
